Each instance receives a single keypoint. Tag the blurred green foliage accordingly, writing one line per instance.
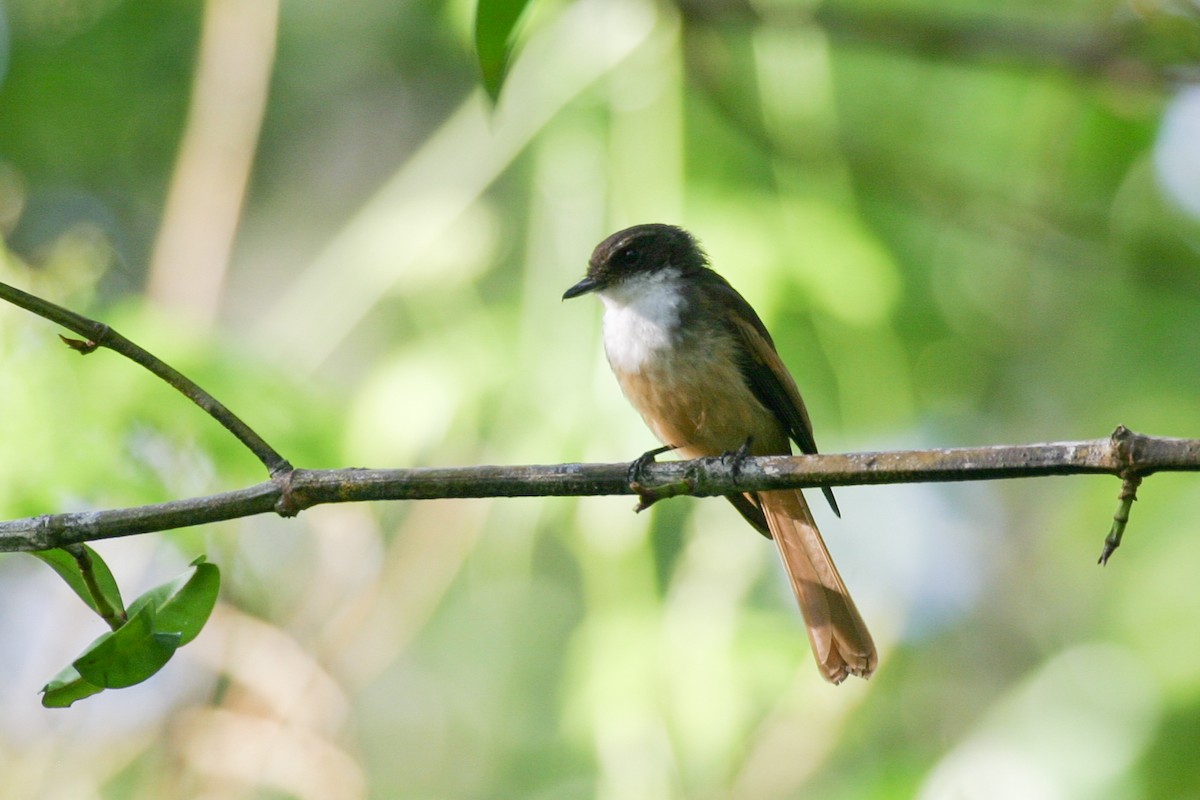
(495, 32)
(953, 222)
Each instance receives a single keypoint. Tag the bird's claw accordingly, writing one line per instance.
(736, 457)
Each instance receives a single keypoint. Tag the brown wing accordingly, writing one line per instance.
(767, 376)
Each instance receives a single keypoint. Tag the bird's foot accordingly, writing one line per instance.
(647, 496)
(639, 464)
(735, 458)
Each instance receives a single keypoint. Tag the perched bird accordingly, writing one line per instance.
(698, 364)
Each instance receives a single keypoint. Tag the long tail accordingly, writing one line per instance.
(840, 640)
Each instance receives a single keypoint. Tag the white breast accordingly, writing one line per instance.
(640, 318)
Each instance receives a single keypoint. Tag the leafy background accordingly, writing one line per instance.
(966, 223)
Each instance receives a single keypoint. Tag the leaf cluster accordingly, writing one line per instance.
(144, 636)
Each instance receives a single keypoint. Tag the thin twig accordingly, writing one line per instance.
(112, 616)
(1129, 487)
(1124, 453)
(100, 335)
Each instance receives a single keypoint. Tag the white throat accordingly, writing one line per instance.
(641, 315)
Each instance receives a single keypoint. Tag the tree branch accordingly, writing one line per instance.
(100, 335)
(1123, 454)
(1126, 454)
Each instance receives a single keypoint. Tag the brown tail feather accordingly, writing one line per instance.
(840, 640)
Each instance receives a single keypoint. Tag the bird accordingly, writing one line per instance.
(696, 361)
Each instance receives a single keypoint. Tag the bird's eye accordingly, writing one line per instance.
(629, 256)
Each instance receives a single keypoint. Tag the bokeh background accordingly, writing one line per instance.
(966, 223)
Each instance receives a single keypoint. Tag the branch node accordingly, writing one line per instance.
(1125, 445)
(289, 503)
(1130, 481)
(281, 469)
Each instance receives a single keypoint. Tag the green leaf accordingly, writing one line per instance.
(160, 622)
(67, 568)
(128, 655)
(495, 27)
(66, 687)
(183, 605)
